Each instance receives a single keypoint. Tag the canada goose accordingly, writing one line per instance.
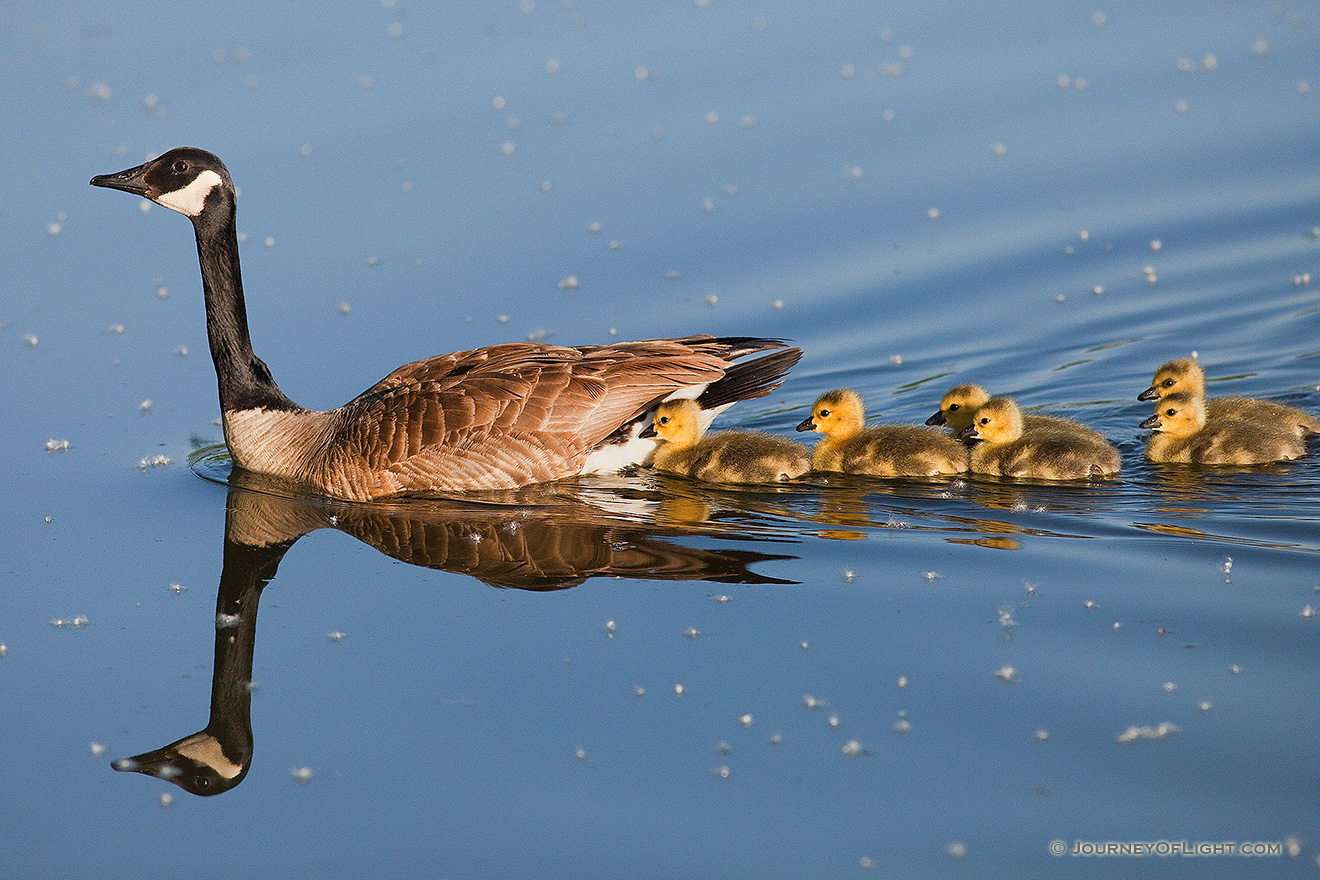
(1186, 375)
(884, 451)
(727, 457)
(493, 418)
(1183, 433)
(1009, 449)
(959, 405)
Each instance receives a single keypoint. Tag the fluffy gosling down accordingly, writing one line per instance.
(959, 405)
(1183, 434)
(1184, 375)
(1009, 449)
(728, 457)
(884, 451)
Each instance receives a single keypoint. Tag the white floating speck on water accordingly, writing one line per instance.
(853, 174)
(1042, 735)
(365, 82)
(848, 575)
(712, 118)
(852, 748)
(570, 283)
(594, 228)
(506, 148)
(673, 275)
(163, 292)
(833, 721)
(1181, 107)
(724, 747)
(503, 319)
(1098, 290)
(63, 446)
(227, 621)
(866, 863)
(270, 241)
(641, 74)
(30, 340)
(1227, 569)
(1163, 730)
(678, 690)
(97, 749)
(4, 650)
(1063, 81)
(847, 71)
(746, 720)
(1117, 626)
(1098, 18)
(1210, 62)
(53, 230)
(580, 753)
(154, 461)
(999, 149)
(1302, 280)
(553, 66)
(100, 91)
(778, 305)
(708, 205)
(931, 576)
(712, 300)
(1169, 687)
(344, 308)
(720, 597)
(775, 738)
(902, 681)
(721, 771)
(181, 350)
(497, 102)
(1089, 605)
(902, 727)
(1205, 706)
(145, 405)
(933, 213)
(1260, 47)
(514, 123)
(1235, 669)
(166, 799)
(395, 30)
(301, 775)
(335, 636)
(804, 646)
(956, 850)
(1156, 244)
(691, 632)
(178, 589)
(1006, 674)
(115, 329)
(639, 690)
(811, 702)
(1308, 612)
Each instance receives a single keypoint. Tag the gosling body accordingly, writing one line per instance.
(1008, 448)
(1185, 375)
(883, 451)
(1185, 433)
(727, 457)
(959, 405)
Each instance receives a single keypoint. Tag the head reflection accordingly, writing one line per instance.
(531, 540)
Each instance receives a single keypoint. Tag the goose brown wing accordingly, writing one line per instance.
(522, 409)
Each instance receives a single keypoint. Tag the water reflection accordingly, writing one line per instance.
(531, 540)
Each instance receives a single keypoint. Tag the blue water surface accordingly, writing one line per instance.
(845, 677)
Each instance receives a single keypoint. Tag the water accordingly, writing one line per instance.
(422, 700)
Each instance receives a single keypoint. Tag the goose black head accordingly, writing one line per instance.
(181, 180)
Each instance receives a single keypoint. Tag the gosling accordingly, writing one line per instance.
(958, 408)
(884, 451)
(728, 457)
(1186, 375)
(1008, 449)
(1183, 434)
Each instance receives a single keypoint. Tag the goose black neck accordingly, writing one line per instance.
(245, 381)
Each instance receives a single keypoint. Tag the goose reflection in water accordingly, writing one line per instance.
(532, 540)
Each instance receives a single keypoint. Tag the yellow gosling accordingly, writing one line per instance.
(728, 457)
(958, 408)
(884, 451)
(1183, 434)
(1185, 375)
(1009, 449)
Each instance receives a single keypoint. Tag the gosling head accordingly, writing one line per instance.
(958, 406)
(1183, 374)
(838, 413)
(1180, 414)
(676, 421)
(185, 179)
(997, 421)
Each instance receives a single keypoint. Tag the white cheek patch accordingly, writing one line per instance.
(189, 200)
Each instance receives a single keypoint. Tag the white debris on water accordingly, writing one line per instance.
(57, 446)
(1163, 730)
(154, 461)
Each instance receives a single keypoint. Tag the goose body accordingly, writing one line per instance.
(1010, 449)
(1185, 433)
(727, 457)
(884, 451)
(492, 418)
(959, 405)
(1186, 375)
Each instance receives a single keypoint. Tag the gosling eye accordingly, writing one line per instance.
(180, 166)
(953, 407)
(1167, 383)
(985, 420)
(1170, 412)
(664, 420)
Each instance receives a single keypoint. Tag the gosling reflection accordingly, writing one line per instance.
(547, 542)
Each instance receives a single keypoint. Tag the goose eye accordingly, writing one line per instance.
(180, 166)
(1168, 383)
(985, 420)
(664, 420)
(953, 407)
(824, 413)
(1170, 412)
